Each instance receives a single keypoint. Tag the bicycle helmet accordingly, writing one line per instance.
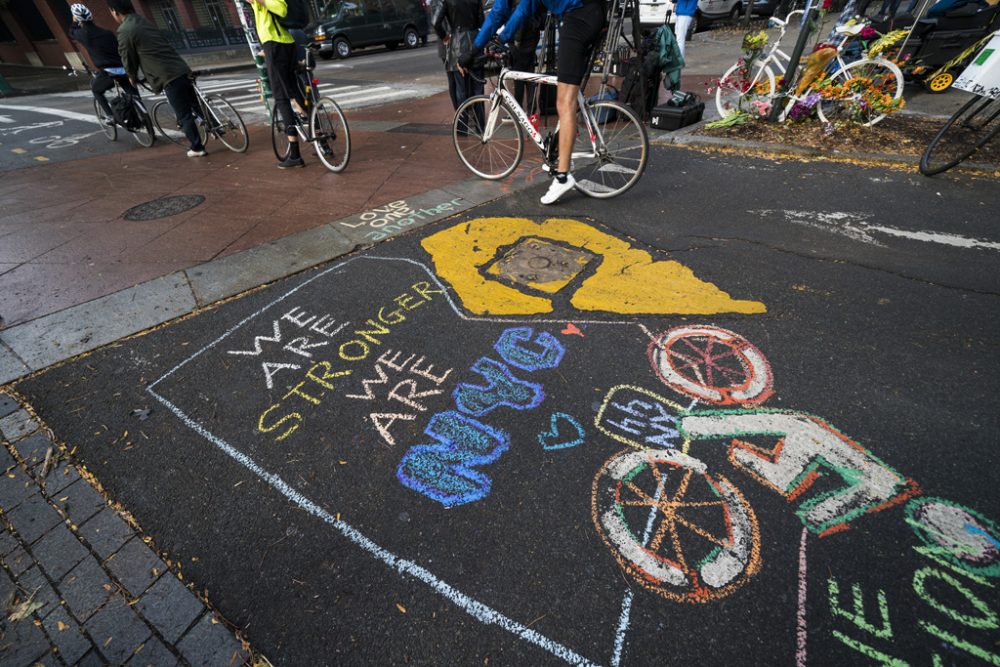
(81, 12)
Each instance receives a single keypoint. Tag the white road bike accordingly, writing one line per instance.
(609, 154)
(735, 92)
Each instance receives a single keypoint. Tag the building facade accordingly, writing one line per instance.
(35, 32)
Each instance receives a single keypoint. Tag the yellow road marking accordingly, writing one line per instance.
(625, 281)
(18, 150)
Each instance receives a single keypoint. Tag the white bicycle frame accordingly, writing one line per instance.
(501, 92)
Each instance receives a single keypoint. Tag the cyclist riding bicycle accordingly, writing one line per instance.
(582, 23)
(102, 46)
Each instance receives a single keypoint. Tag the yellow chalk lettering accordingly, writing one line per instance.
(327, 375)
(291, 428)
(363, 353)
(405, 301)
(396, 316)
(378, 329)
(296, 391)
(423, 288)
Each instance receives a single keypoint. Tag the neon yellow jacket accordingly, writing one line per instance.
(265, 18)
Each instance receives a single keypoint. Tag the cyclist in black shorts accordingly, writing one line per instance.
(582, 23)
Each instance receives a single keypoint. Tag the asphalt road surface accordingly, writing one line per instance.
(746, 414)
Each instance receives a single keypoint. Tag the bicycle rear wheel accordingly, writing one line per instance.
(166, 123)
(969, 129)
(886, 79)
(145, 135)
(618, 164)
(110, 129)
(492, 157)
(331, 138)
(225, 124)
(279, 139)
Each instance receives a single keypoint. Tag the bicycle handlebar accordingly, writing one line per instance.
(776, 22)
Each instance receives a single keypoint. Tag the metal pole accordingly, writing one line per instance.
(793, 64)
(245, 14)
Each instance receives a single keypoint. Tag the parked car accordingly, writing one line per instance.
(713, 10)
(355, 24)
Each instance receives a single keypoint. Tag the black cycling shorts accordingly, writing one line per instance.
(578, 33)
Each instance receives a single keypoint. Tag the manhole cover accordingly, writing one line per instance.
(164, 207)
(540, 265)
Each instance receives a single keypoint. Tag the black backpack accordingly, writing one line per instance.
(125, 113)
(297, 16)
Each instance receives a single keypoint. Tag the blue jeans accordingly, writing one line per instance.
(181, 96)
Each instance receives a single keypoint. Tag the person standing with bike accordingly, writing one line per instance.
(140, 44)
(281, 60)
(456, 23)
(102, 47)
(582, 23)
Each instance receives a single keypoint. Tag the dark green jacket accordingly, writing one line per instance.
(142, 45)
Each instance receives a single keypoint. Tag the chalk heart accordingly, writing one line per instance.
(564, 432)
(626, 280)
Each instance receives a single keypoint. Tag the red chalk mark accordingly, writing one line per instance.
(572, 330)
(839, 528)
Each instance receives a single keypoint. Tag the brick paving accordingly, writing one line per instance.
(78, 584)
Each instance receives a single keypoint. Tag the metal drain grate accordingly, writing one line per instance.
(164, 207)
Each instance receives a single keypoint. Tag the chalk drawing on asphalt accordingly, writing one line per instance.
(704, 542)
(640, 418)
(712, 365)
(564, 432)
(960, 535)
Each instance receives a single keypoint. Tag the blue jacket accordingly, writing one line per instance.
(501, 15)
(686, 7)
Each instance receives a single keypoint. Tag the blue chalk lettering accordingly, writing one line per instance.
(444, 472)
(501, 388)
(548, 355)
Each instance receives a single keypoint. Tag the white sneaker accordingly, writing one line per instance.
(557, 189)
(194, 153)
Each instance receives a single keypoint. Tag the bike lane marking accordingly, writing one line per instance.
(71, 115)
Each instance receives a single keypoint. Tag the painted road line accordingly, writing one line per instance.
(71, 115)
(369, 99)
(6, 119)
(856, 226)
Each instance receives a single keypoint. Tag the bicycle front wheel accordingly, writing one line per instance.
(969, 129)
(109, 128)
(488, 152)
(331, 138)
(225, 123)
(279, 139)
(611, 162)
(884, 79)
(734, 93)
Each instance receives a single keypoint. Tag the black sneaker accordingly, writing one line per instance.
(291, 163)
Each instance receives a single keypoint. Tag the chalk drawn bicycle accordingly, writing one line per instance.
(609, 154)
(685, 531)
(216, 117)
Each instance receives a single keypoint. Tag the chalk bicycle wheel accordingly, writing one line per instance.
(679, 531)
(712, 364)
